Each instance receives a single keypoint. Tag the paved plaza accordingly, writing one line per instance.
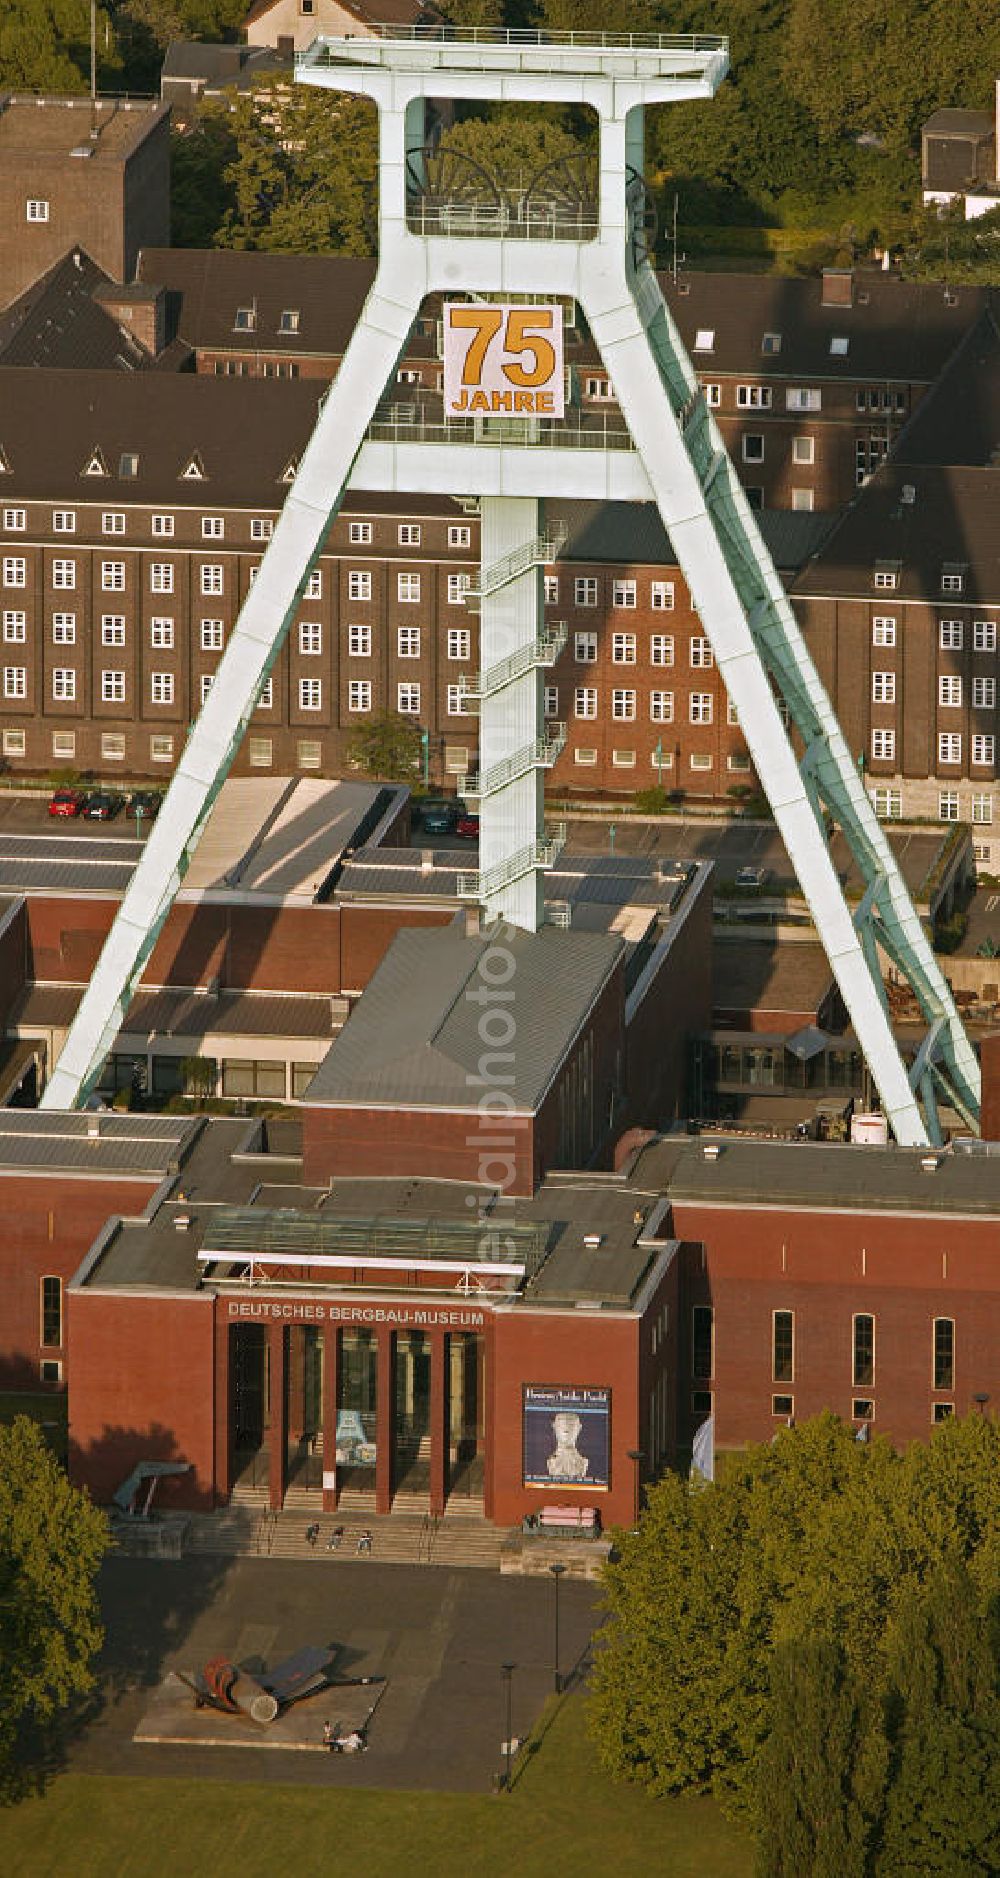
(438, 1636)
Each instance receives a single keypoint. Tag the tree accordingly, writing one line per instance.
(300, 171)
(943, 1813)
(388, 747)
(814, 1538)
(45, 45)
(52, 1541)
(821, 1773)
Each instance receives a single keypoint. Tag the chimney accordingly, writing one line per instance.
(141, 310)
(990, 1113)
(838, 286)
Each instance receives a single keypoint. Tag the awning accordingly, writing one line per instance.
(807, 1043)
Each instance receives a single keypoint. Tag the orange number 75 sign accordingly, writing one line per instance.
(503, 360)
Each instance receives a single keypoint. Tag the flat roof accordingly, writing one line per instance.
(231, 1200)
(414, 1039)
(97, 1142)
(279, 839)
(786, 975)
(42, 127)
(813, 1175)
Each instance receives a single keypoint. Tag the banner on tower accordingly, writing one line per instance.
(503, 361)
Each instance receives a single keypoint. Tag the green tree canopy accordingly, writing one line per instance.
(387, 747)
(814, 1539)
(52, 1541)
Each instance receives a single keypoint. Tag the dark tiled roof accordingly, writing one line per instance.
(952, 517)
(218, 65)
(59, 322)
(326, 291)
(903, 330)
(936, 501)
(245, 431)
(414, 1038)
(633, 533)
(958, 422)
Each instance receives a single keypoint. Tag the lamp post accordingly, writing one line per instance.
(507, 1671)
(557, 1572)
(636, 1456)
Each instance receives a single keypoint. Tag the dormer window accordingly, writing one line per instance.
(246, 319)
(839, 345)
(95, 464)
(887, 574)
(952, 577)
(704, 339)
(770, 345)
(128, 464)
(194, 469)
(289, 321)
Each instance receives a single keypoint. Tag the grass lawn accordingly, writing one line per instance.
(562, 1817)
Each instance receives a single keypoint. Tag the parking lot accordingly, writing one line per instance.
(438, 1636)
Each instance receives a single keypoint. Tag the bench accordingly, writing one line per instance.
(564, 1522)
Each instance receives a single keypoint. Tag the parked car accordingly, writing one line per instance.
(468, 827)
(145, 804)
(752, 876)
(438, 815)
(102, 806)
(67, 802)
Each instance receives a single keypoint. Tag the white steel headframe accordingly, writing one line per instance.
(679, 461)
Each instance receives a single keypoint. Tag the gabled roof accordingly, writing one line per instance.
(244, 430)
(58, 321)
(210, 285)
(414, 1039)
(959, 419)
(899, 330)
(380, 12)
(938, 498)
(923, 519)
(632, 533)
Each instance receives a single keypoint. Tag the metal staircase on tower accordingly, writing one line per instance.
(582, 231)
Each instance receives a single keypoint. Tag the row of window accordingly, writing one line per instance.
(984, 690)
(163, 690)
(308, 751)
(213, 527)
(949, 748)
(212, 635)
(885, 575)
(951, 633)
(625, 649)
(623, 704)
(888, 805)
(942, 1353)
(212, 575)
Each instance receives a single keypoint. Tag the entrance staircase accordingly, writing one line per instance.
(406, 1536)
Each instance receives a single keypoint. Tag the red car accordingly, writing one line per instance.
(67, 802)
(468, 827)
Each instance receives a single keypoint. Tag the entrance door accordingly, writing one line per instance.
(249, 1417)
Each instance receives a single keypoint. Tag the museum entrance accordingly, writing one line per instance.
(412, 1413)
(357, 1404)
(304, 1408)
(250, 1405)
(466, 1415)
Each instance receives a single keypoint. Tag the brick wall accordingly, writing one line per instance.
(143, 1372)
(825, 1267)
(46, 1227)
